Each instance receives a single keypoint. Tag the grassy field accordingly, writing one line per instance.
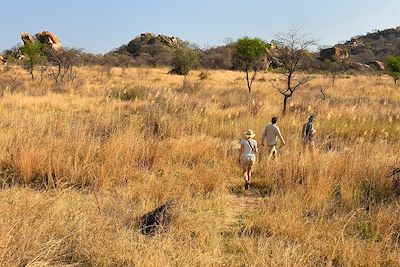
(79, 165)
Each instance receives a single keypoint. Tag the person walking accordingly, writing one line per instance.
(308, 133)
(247, 155)
(271, 134)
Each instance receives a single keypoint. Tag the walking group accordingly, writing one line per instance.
(269, 139)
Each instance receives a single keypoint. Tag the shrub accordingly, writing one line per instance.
(393, 66)
(34, 55)
(183, 60)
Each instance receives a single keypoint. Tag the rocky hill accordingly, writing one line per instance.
(377, 45)
(150, 49)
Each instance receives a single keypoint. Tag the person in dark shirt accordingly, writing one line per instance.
(308, 133)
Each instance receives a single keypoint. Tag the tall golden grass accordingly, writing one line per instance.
(80, 164)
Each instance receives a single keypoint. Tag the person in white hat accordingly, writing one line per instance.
(247, 155)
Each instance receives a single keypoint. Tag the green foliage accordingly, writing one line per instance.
(34, 55)
(250, 50)
(393, 66)
(134, 47)
(183, 60)
(32, 49)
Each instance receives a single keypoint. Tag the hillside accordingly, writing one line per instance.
(150, 49)
(156, 50)
(377, 45)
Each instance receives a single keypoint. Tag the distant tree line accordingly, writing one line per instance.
(162, 51)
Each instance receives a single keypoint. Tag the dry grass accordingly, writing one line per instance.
(80, 165)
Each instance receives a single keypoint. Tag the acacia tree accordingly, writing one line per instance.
(33, 55)
(292, 53)
(393, 66)
(251, 52)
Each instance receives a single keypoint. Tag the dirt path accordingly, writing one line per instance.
(240, 207)
(240, 212)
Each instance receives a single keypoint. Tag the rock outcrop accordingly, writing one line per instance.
(357, 66)
(376, 65)
(272, 58)
(2, 60)
(150, 38)
(27, 38)
(334, 54)
(47, 38)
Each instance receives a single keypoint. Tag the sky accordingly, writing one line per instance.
(99, 26)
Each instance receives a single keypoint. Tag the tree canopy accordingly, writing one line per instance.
(251, 51)
(393, 66)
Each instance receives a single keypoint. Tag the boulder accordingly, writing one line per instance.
(47, 38)
(376, 65)
(358, 66)
(26, 38)
(272, 59)
(2, 60)
(334, 53)
(168, 40)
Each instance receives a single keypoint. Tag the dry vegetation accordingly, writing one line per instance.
(78, 167)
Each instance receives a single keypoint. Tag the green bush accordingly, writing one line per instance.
(393, 67)
(183, 60)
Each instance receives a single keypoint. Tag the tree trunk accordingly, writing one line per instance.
(289, 82)
(285, 99)
(247, 78)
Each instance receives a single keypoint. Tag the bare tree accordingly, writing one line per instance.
(292, 53)
(333, 68)
(62, 64)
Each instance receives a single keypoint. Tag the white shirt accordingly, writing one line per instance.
(247, 150)
(271, 133)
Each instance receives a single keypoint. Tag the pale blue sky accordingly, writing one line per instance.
(99, 26)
